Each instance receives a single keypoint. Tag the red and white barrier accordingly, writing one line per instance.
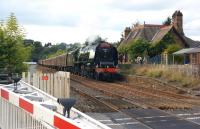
(38, 111)
(41, 113)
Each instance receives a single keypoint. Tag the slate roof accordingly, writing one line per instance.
(146, 32)
(155, 33)
(191, 42)
(161, 33)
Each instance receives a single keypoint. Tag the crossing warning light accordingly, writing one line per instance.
(45, 78)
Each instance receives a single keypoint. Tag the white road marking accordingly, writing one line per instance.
(104, 120)
(128, 123)
(118, 119)
(189, 114)
(123, 119)
(193, 118)
(149, 117)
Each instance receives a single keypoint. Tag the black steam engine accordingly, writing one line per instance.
(98, 61)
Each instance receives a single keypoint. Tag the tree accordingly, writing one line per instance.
(172, 48)
(59, 52)
(122, 49)
(167, 21)
(73, 47)
(159, 47)
(12, 50)
(116, 44)
(36, 51)
(138, 48)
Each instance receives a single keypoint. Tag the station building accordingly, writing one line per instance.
(154, 33)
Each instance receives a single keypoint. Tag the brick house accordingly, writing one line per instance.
(155, 33)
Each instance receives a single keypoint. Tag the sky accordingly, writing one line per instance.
(73, 21)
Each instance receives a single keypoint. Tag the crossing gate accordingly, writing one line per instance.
(27, 107)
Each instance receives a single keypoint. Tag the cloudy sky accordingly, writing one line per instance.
(74, 20)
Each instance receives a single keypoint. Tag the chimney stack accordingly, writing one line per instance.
(177, 20)
(126, 32)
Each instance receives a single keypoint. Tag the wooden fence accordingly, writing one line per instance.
(56, 84)
(188, 70)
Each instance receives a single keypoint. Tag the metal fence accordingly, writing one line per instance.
(165, 59)
(158, 59)
(13, 117)
(56, 84)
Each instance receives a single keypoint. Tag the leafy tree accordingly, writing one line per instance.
(159, 47)
(168, 21)
(122, 49)
(59, 52)
(73, 47)
(172, 48)
(116, 44)
(48, 45)
(12, 50)
(28, 42)
(36, 51)
(138, 48)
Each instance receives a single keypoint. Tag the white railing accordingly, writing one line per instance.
(13, 117)
(27, 107)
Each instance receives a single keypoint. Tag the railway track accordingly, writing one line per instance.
(165, 91)
(135, 112)
(135, 102)
(110, 101)
(87, 103)
(115, 104)
(143, 98)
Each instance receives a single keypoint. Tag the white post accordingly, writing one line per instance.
(23, 76)
(68, 84)
(55, 86)
(51, 84)
(29, 78)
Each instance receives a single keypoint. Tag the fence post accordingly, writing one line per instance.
(29, 78)
(51, 84)
(23, 76)
(62, 86)
(55, 85)
(48, 84)
(59, 86)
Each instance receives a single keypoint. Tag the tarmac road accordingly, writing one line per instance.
(147, 119)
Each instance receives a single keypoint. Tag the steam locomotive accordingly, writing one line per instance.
(97, 61)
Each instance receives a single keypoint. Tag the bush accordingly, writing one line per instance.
(138, 48)
(172, 48)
